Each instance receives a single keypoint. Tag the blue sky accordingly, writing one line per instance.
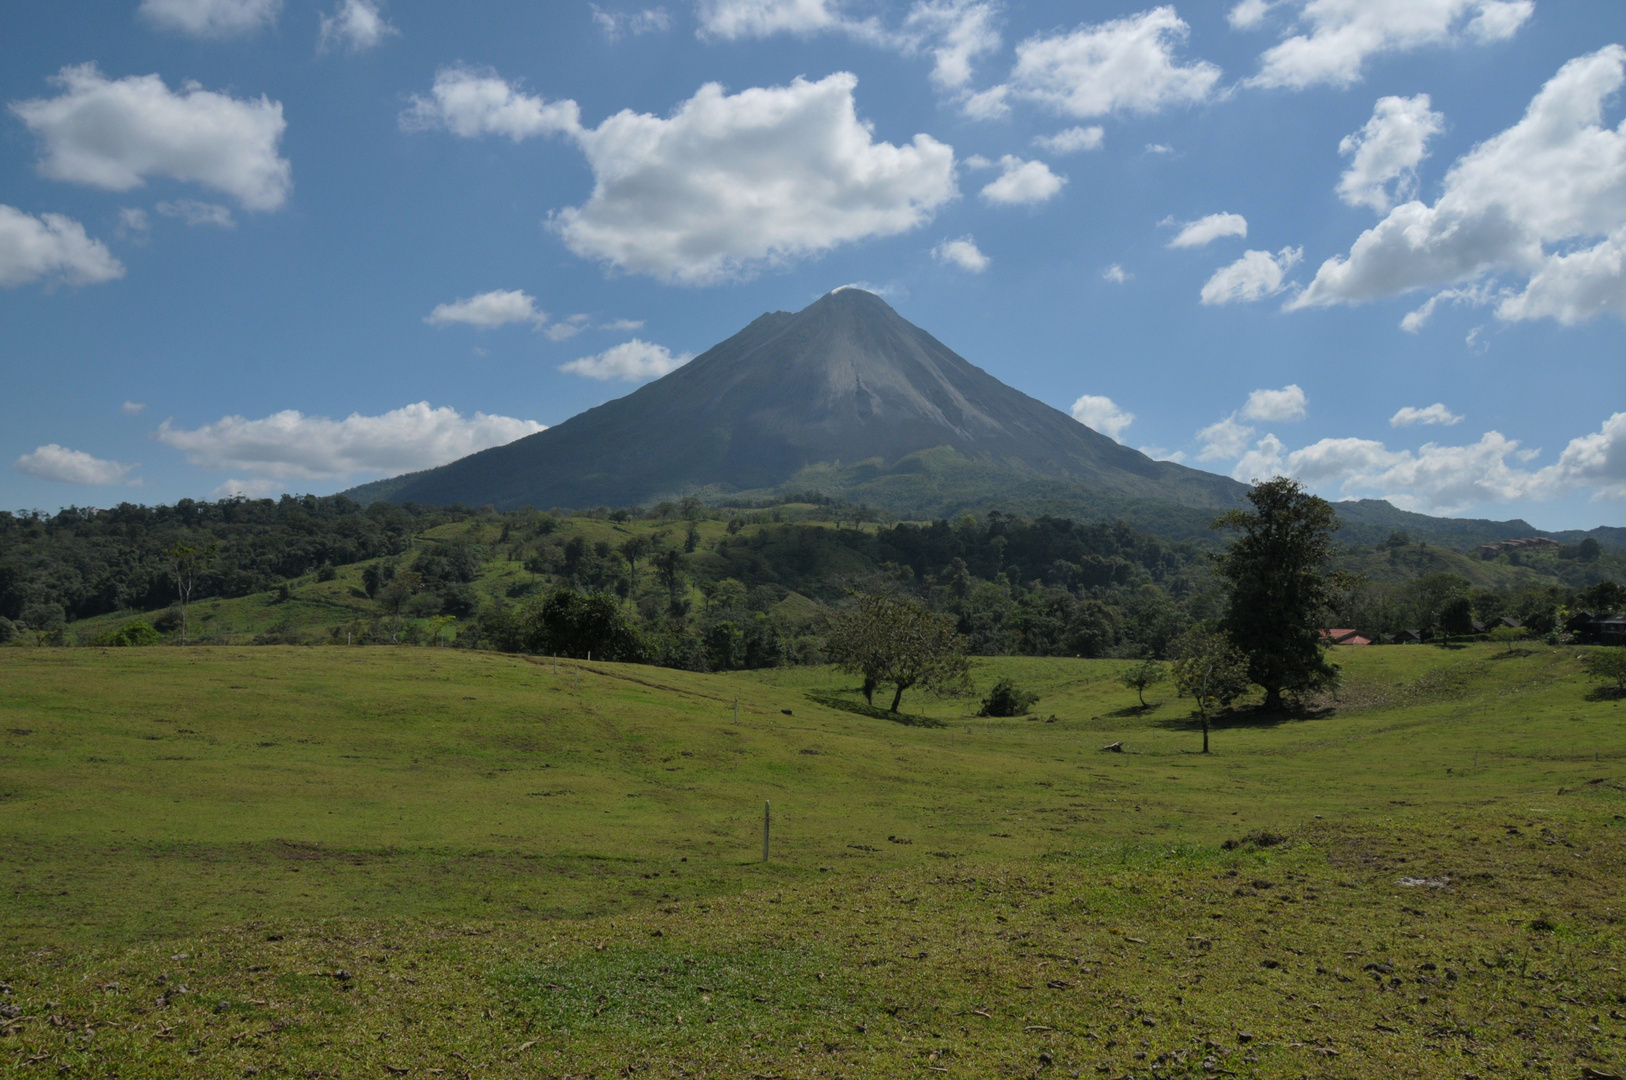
(263, 246)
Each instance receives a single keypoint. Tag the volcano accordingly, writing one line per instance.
(846, 395)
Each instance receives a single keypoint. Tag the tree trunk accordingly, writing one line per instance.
(1273, 699)
(1205, 732)
(897, 698)
(869, 690)
(1140, 692)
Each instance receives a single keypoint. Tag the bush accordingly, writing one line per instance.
(1008, 699)
(8, 630)
(131, 634)
(326, 573)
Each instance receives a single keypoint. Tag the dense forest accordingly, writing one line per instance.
(689, 585)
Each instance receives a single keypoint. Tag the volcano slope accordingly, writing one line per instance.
(847, 384)
(377, 861)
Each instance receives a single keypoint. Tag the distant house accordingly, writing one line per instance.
(1579, 622)
(1345, 637)
(1413, 637)
(1510, 622)
(1599, 629)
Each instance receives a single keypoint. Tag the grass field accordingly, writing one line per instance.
(363, 861)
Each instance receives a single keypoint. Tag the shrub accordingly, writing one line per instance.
(8, 630)
(1008, 699)
(131, 634)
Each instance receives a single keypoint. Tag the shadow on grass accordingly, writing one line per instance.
(1514, 654)
(835, 701)
(1132, 710)
(1253, 717)
(1606, 693)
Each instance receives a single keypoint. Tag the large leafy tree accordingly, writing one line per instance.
(892, 640)
(593, 625)
(1281, 587)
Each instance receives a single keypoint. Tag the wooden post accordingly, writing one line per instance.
(767, 817)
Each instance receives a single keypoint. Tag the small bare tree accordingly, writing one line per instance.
(1210, 668)
(187, 564)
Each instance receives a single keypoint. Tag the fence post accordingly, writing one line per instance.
(767, 817)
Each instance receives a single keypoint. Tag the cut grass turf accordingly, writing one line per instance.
(518, 877)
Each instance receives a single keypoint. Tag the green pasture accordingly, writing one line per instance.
(364, 860)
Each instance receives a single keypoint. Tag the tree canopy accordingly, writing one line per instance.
(890, 639)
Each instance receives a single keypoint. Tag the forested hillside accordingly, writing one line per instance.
(693, 586)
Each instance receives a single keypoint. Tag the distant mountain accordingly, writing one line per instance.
(845, 390)
(849, 398)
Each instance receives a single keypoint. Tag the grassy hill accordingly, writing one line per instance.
(281, 861)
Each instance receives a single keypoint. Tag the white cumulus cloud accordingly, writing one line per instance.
(355, 25)
(1555, 178)
(617, 24)
(1072, 140)
(1288, 403)
(290, 445)
(115, 133)
(1256, 275)
(53, 462)
(1387, 152)
(1228, 439)
(726, 184)
(1436, 413)
(731, 182)
(962, 253)
(1022, 183)
(1102, 414)
(51, 248)
(569, 327)
(1116, 274)
(732, 20)
(471, 102)
(956, 32)
(1436, 478)
(498, 307)
(1224, 441)
(1248, 14)
(194, 212)
(1340, 35)
(1208, 229)
(1123, 65)
(631, 361)
(1576, 287)
(1596, 461)
(132, 408)
(212, 18)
